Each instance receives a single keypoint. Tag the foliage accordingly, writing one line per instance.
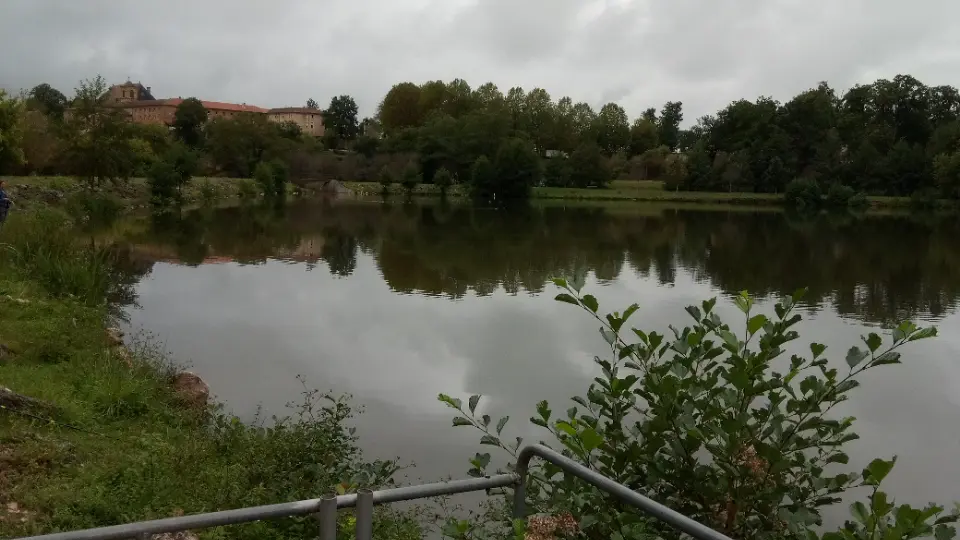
(168, 175)
(238, 144)
(703, 421)
(839, 195)
(42, 247)
(516, 170)
(557, 172)
(263, 176)
(386, 178)
(340, 118)
(188, 122)
(290, 130)
(312, 104)
(587, 168)
(11, 130)
(803, 193)
(443, 180)
(411, 177)
(482, 179)
(49, 101)
(97, 137)
(366, 145)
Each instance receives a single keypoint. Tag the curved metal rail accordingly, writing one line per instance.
(325, 508)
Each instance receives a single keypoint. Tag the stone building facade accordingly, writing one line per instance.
(309, 120)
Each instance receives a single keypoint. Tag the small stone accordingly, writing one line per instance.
(13, 507)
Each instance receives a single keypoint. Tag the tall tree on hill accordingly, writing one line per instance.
(613, 129)
(340, 118)
(669, 125)
(188, 121)
(98, 138)
(400, 108)
(11, 131)
(49, 100)
(312, 104)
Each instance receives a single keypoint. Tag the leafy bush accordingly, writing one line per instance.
(839, 195)
(556, 172)
(803, 193)
(443, 180)
(207, 192)
(385, 179)
(702, 421)
(263, 176)
(411, 177)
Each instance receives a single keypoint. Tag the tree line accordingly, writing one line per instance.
(892, 137)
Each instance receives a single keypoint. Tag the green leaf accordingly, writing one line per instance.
(564, 297)
(486, 420)
(756, 323)
(559, 282)
(450, 401)
(944, 532)
(590, 439)
(543, 409)
(730, 339)
(817, 349)
(473, 402)
(873, 341)
(743, 301)
(877, 470)
(629, 311)
(591, 302)
(482, 460)
(490, 439)
(566, 428)
(694, 312)
(501, 423)
(860, 512)
(461, 421)
(923, 333)
(855, 356)
(889, 357)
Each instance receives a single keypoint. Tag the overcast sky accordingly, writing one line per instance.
(639, 53)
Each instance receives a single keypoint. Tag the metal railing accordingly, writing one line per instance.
(325, 508)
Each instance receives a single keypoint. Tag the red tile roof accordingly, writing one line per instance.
(209, 105)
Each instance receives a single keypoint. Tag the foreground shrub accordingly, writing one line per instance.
(704, 421)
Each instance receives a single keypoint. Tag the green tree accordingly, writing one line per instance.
(238, 144)
(612, 129)
(946, 173)
(443, 180)
(340, 118)
(587, 168)
(643, 137)
(400, 108)
(290, 130)
(557, 172)
(188, 122)
(263, 176)
(162, 179)
(312, 104)
(483, 179)
(49, 100)
(517, 170)
(11, 131)
(385, 179)
(410, 178)
(97, 138)
(669, 124)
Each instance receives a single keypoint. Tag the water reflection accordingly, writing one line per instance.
(877, 268)
(397, 303)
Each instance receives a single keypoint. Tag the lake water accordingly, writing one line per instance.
(396, 303)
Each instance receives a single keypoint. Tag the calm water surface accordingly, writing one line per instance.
(397, 303)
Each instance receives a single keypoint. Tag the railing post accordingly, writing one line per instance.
(364, 529)
(328, 517)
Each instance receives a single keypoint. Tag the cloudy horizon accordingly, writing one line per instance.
(639, 53)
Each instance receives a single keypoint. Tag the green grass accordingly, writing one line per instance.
(120, 445)
(626, 190)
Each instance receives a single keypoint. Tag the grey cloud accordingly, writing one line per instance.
(643, 52)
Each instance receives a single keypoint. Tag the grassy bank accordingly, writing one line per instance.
(113, 441)
(31, 191)
(625, 190)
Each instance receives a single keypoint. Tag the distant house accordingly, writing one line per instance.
(129, 92)
(162, 111)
